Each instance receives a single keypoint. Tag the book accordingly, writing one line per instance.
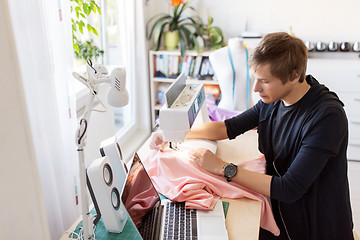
(197, 66)
(166, 64)
(183, 65)
(192, 66)
(188, 63)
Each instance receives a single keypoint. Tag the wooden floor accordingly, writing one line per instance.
(354, 181)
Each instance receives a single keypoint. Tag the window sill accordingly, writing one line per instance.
(131, 143)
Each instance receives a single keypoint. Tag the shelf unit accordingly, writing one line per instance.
(174, 66)
(342, 75)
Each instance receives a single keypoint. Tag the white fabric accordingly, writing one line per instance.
(44, 50)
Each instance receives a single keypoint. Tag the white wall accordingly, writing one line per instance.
(313, 20)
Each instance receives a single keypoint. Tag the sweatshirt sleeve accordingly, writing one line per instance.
(243, 122)
(321, 142)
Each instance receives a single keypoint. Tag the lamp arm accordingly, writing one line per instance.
(103, 80)
(96, 76)
(88, 230)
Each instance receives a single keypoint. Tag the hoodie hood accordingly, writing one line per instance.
(320, 93)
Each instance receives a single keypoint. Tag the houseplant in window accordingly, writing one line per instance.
(80, 11)
(176, 28)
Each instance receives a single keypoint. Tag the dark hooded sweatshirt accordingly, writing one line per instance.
(305, 149)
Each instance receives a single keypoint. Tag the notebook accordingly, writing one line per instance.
(163, 219)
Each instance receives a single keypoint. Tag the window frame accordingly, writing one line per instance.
(132, 136)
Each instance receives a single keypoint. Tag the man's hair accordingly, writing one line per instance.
(284, 53)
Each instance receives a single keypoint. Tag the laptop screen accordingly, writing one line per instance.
(139, 195)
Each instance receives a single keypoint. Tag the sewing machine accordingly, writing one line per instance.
(183, 102)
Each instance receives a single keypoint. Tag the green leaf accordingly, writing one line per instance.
(210, 20)
(77, 11)
(92, 7)
(158, 31)
(159, 26)
(76, 47)
(216, 35)
(176, 14)
(182, 44)
(183, 6)
(196, 43)
(160, 17)
(86, 9)
(94, 31)
(81, 25)
(187, 34)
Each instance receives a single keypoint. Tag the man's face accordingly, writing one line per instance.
(269, 87)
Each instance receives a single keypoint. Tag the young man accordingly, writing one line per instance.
(303, 134)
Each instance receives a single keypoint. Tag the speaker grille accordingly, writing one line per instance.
(107, 174)
(115, 198)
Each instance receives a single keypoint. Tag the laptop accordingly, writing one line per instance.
(162, 219)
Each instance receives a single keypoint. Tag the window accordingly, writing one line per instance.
(119, 23)
(113, 43)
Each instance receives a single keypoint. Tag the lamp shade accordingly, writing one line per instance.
(118, 95)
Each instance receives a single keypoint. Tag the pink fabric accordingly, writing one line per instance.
(180, 179)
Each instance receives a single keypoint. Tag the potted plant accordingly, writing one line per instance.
(84, 49)
(88, 50)
(175, 27)
(211, 35)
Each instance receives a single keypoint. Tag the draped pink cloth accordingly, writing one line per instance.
(180, 179)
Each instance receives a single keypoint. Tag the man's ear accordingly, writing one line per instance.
(295, 76)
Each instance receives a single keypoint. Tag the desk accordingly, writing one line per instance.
(243, 216)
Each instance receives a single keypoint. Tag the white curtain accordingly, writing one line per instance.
(42, 31)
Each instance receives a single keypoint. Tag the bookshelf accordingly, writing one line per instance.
(165, 66)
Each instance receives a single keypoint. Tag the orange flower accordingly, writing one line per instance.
(176, 2)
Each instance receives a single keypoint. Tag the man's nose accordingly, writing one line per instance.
(256, 87)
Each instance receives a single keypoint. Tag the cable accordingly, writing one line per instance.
(89, 62)
(85, 128)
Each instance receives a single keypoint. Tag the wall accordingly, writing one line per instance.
(311, 20)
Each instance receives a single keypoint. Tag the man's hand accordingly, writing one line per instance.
(208, 160)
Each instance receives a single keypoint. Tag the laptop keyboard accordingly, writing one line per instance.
(147, 228)
(180, 223)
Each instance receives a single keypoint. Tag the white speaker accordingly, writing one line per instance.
(107, 193)
(111, 148)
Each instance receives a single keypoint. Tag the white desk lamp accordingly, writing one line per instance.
(117, 97)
